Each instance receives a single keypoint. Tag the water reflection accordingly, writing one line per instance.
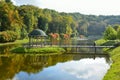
(53, 67)
(5, 49)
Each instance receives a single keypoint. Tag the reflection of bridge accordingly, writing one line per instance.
(74, 46)
(80, 46)
(84, 48)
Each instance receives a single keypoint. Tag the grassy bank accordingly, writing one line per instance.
(16, 42)
(114, 71)
(106, 42)
(38, 50)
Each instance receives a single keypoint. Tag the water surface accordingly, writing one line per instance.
(53, 67)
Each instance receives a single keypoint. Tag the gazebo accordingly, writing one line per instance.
(37, 37)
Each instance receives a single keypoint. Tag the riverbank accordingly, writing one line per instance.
(114, 71)
(16, 42)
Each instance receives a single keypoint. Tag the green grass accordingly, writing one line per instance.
(106, 42)
(100, 41)
(114, 71)
(16, 42)
(38, 50)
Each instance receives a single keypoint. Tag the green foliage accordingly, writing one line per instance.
(104, 42)
(24, 33)
(8, 36)
(118, 32)
(110, 33)
(10, 18)
(93, 25)
(8, 1)
(25, 18)
(68, 29)
(100, 41)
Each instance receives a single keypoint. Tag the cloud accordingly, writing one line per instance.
(27, 2)
(86, 68)
(107, 7)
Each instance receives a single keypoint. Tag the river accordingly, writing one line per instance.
(67, 66)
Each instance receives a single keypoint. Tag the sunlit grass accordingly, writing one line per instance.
(16, 42)
(100, 41)
(106, 42)
(114, 72)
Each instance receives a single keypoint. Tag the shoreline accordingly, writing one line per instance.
(114, 72)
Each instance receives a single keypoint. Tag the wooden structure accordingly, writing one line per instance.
(37, 38)
(83, 48)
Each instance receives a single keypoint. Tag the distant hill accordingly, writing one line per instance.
(94, 25)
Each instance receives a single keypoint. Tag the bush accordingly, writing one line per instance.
(110, 33)
(8, 36)
(117, 44)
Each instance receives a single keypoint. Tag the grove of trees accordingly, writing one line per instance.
(21, 20)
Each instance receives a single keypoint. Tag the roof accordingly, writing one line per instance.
(37, 32)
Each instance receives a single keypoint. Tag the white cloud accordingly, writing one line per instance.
(107, 7)
(84, 69)
(87, 68)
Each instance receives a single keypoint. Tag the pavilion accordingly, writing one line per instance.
(37, 37)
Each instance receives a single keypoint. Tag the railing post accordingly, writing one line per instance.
(95, 46)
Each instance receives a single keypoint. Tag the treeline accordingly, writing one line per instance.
(112, 33)
(23, 19)
(93, 25)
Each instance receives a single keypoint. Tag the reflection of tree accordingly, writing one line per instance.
(29, 63)
(6, 48)
(33, 63)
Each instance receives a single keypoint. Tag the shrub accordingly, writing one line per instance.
(8, 36)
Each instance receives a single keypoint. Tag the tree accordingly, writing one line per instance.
(43, 22)
(30, 16)
(9, 17)
(110, 33)
(8, 1)
(118, 32)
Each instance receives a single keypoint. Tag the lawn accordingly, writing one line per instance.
(16, 42)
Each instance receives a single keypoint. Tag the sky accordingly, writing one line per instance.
(89, 7)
